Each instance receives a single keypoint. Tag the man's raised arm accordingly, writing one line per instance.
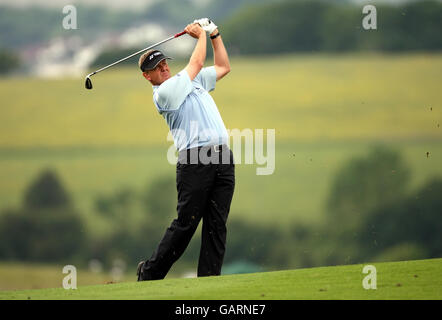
(220, 56)
(198, 57)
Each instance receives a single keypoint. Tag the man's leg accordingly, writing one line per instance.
(213, 239)
(193, 185)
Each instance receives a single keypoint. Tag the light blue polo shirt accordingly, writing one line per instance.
(190, 111)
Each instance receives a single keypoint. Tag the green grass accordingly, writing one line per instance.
(414, 280)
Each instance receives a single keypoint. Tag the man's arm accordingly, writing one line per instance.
(220, 56)
(198, 56)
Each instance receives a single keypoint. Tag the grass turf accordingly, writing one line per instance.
(413, 280)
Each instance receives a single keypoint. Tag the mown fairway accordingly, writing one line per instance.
(419, 279)
(324, 109)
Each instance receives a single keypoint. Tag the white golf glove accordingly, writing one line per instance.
(206, 24)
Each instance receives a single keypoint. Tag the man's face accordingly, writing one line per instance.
(158, 75)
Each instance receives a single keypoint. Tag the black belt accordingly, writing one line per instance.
(215, 148)
(207, 150)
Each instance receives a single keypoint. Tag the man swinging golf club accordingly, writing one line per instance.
(205, 188)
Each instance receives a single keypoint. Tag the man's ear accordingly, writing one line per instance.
(147, 76)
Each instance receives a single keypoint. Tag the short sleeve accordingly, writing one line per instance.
(172, 92)
(207, 78)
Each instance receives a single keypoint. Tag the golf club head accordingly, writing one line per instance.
(88, 83)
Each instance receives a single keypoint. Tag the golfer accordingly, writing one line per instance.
(205, 172)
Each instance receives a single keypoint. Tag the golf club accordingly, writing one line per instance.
(88, 83)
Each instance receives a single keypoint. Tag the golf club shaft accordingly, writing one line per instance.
(138, 52)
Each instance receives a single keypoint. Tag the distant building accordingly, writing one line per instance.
(71, 57)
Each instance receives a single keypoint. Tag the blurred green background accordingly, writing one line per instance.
(85, 178)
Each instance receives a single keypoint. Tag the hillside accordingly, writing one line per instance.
(309, 98)
(419, 279)
(325, 109)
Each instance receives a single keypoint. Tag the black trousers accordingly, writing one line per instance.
(205, 192)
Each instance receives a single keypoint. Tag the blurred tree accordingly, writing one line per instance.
(9, 61)
(121, 210)
(275, 28)
(111, 55)
(305, 246)
(359, 187)
(262, 245)
(49, 235)
(409, 228)
(400, 252)
(138, 220)
(363, 184)
(341, 29)
(47, 228)
(302, 26)
(46, 192)
(415, 25)
(15, 229)
(118, 206)
(160, 200)
(178, 13)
